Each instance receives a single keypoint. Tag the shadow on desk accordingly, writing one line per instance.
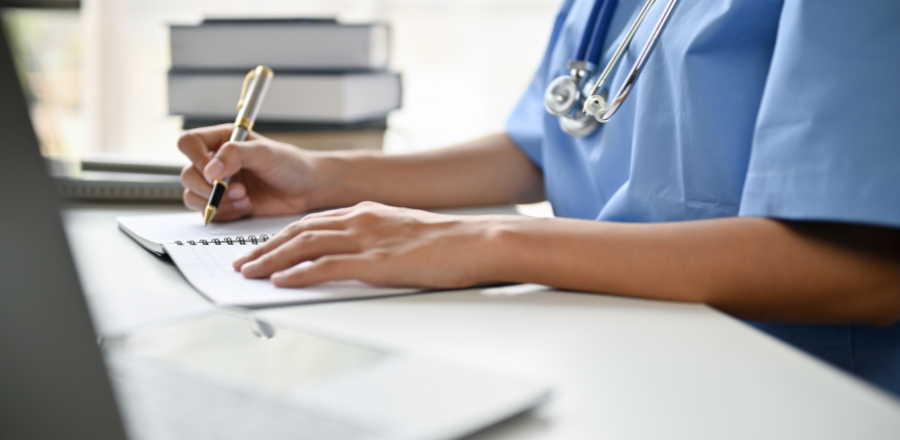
(528, 424)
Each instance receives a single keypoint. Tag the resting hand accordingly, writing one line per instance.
(268, 177)
(379, 245)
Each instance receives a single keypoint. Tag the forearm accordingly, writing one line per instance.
(749, 267)
(491, 170)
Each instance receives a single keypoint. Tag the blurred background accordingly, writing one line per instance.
(96, 74)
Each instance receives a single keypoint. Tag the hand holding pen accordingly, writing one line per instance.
(268, 178)
(252, 93)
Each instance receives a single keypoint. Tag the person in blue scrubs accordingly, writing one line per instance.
(754, 167)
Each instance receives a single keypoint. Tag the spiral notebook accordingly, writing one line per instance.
(204, 256)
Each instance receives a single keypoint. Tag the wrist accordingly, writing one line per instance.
(336, 177)
(505, 258)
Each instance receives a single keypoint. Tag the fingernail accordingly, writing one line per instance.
(236, 192)
(278, 278)
(213, 168)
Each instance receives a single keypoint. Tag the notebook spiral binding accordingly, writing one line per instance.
(228, 241)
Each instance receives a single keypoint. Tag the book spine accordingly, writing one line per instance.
(69, 189)
(346, 98)
(281, 46)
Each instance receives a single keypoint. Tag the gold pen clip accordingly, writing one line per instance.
(259, 70)
(250, 75)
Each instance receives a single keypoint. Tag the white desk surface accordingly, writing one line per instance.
(621, 368)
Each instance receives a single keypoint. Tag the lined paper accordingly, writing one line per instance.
(208, 268)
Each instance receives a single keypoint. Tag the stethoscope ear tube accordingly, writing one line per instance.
(596, 105)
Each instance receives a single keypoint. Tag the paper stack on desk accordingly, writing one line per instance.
(329, 77)
(204, 256)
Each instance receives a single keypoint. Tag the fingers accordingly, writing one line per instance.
(330, 268)
(196, 151)
(228, 209)
(315, 236)
(236, 191)
(243, 205)
(234, 156)
(198, 144)
(284, 236)
(306, 246)
(193, 201)
(195, 183)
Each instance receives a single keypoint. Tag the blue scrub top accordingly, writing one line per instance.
(783, 109)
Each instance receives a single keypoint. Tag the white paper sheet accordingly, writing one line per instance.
(208, 268)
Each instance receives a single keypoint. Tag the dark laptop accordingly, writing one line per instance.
(52, 379)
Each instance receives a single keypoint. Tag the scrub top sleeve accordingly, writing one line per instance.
(827, 139)
(525, 125)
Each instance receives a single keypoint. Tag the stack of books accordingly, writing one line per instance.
(332, 88)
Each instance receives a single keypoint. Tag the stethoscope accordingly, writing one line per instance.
(564, 97)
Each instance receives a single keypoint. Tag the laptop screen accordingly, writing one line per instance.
(52, 379)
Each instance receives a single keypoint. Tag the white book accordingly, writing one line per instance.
(204, 256)
(280, 44)
(339, 98)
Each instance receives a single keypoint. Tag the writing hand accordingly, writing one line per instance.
(268, 177)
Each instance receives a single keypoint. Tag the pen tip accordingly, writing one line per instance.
(208, 215)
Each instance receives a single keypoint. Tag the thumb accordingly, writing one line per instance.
(235, 156)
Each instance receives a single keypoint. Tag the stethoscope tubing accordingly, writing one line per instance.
(595, 31)
(585, 40)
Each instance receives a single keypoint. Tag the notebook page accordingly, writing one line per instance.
(168, 228)
(208, 268)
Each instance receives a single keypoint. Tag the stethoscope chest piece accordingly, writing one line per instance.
(580, 125)
(561, 95)
(564, 98)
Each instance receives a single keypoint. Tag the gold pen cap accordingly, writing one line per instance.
(256, 83)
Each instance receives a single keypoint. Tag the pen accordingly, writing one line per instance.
(252, 93)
